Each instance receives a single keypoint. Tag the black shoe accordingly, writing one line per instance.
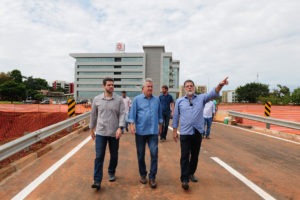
(152, 183)
(96, 185)
(203, 136)
(185, 185)
(207, 137)
(193, 178)
(143, 180)
(112, 177)
(127, 129)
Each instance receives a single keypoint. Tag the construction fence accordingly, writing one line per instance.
(17, 120)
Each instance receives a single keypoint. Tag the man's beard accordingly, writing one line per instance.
(190, 93)
(109, 92)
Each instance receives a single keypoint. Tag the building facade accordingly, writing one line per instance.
(128, 70)
(63, 84)
(229, 96)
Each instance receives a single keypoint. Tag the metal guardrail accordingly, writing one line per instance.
(268, 120)
(21, 143)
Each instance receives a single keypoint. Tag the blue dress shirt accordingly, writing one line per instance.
(165, 101)
(191, 113)
(146, 113)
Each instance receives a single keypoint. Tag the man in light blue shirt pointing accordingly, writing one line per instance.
(189, 111)
(146, 123)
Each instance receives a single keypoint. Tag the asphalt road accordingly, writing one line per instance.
(271, 165)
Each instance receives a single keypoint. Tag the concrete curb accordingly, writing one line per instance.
(23, 162)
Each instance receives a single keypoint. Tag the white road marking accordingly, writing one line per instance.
(34, 184)
(271, 136)
(242, 178)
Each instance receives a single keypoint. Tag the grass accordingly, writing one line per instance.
(8, 102)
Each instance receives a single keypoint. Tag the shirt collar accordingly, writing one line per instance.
(103, 96)
(146, 97)
(194, 96)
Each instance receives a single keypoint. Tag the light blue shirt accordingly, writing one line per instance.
(191, 117)
(145, 113)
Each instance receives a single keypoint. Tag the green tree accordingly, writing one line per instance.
(35, 83)
(296, 96)
(12, 91)
(251, 91)
(4, 77)
(38, 97)
(16, 75)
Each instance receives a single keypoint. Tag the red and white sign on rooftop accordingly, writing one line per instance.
(120, 47)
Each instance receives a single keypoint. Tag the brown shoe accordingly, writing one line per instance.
(143, 180)
(152, 183)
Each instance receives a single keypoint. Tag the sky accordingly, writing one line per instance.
(249, 41)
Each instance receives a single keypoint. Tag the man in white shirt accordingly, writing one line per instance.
(127, 103)
(208, 112)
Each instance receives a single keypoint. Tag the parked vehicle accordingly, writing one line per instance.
(45, 102)
(83, 101)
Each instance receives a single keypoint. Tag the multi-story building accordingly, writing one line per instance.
(128, 70)
(63, 84)
(229, 96)
(201, 89)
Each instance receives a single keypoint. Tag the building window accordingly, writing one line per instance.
(117, 67)
(117, 59)
(117, 79)
(117, 73)
(117, 86)
(132, 59)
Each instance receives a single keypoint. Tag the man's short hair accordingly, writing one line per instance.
(165, 87)
(147, 80)
(123, 92)
(107, 79)
(188, 81)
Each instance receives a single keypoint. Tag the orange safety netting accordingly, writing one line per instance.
(79, 108)
(289, 113)
(16, 119)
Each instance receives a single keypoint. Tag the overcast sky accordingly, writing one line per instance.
(246, 40)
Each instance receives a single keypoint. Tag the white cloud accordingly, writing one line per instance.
(211, 38)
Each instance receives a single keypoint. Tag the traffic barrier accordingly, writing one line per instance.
(71, 107)
(290, 113)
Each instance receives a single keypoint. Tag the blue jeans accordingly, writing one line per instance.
(126, 122)
(165, 126)
(140, 141)
(208, 122)
(100, 146)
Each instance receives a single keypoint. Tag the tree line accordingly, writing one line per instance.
(259, 93)
(16, 87)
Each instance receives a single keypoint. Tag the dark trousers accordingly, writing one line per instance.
(190, 149)
(165, 126)
(100, 145)
(140, 141)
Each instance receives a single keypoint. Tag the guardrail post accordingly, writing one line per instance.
(268, 112)
(27, 148)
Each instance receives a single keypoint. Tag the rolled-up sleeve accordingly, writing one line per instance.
(210, 95)
(176, 115)
(132, 113)
(94, 115)
(122, 114)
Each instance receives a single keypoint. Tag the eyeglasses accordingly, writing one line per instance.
(191, 103)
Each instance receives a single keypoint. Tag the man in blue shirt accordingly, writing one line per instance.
(166, 100)
(189, 110)
(145, 119)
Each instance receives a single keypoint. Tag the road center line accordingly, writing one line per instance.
(271, 136)
(242, 178)
(34, 184)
